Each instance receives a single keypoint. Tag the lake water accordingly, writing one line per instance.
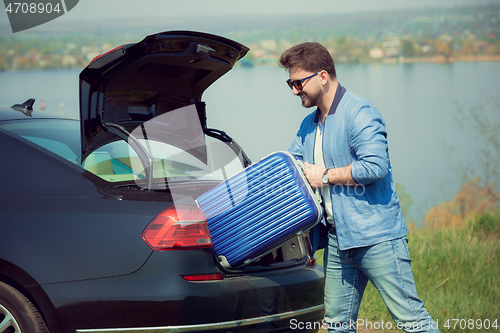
(419, 103)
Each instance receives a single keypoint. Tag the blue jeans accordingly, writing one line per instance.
(388, 266)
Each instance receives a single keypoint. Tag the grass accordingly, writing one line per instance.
(457, 273)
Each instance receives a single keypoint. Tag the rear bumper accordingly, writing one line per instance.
(314, 313)
(157, 299)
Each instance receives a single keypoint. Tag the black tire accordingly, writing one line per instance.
(17, 313)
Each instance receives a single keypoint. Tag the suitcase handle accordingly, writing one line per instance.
(316, 191)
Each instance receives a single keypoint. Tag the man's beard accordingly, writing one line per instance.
(309, 99)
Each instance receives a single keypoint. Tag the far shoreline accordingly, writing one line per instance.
(441, 59)
(438, 59)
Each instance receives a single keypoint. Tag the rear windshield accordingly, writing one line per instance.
(169, 147)
(172, 157)
(60, 136)
(118, 161)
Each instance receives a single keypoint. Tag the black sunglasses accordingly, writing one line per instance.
(298, 83)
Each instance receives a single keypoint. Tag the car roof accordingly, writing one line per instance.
(8, 113)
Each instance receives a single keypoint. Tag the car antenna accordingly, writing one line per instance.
(26, 107)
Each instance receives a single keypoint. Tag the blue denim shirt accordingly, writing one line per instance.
(355, 134)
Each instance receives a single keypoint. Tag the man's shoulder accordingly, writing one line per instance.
(355, 106)
(359, 112)
(351, 100)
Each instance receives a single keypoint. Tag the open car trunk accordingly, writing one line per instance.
(122, 89)
(143, 123)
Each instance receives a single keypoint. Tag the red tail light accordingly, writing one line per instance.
(178, 227)
(203, 277)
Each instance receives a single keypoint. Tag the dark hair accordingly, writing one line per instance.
(310, 56)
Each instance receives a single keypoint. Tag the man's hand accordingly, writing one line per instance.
(314, 173)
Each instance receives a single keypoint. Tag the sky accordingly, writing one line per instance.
(168, 8)
(106, 9)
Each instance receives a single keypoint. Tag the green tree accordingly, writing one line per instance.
(405, 201)
(408, 49)
(444, 48)
(483, 121)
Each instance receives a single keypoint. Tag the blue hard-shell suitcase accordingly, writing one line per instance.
(259, 209)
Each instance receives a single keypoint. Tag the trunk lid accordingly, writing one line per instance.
(133, 83)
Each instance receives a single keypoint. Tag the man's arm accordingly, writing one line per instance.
(368, 140)
(341, 176)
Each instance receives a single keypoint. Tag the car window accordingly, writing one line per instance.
(112, 162)
(57, 147)
(170, 147)
(60, 136)
(117, 161)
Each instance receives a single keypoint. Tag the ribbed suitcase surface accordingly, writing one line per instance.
(259, 209)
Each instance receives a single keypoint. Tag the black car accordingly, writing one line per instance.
(100, 231)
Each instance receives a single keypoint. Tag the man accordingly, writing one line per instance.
(343, 144)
